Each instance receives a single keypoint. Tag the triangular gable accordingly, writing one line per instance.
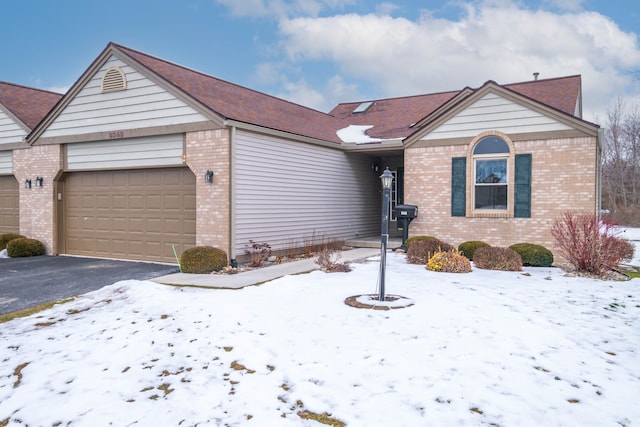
(143, 104)
(21, 108)
(220, 102)
(12, 130)
(493, 107)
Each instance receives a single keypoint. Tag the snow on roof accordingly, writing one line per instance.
(357, 134)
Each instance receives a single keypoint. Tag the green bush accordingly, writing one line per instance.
(203, 260)
(6, 238)
(468, 248)
(497, 258)
(410, 240)
(449, 262)
(533, 255)
(24, 247)
(421, 250)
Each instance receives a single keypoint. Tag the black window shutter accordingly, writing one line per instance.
(458, 186)
(522, 205)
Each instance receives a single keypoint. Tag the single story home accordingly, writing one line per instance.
(143, 157)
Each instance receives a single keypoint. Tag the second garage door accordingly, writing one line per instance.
(130, 214)
(9, 199)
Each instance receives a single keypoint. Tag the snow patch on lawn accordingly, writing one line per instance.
(487, 347)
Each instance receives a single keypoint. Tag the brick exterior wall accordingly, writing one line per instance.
(210, 150)
(37, 204)
(563, 178)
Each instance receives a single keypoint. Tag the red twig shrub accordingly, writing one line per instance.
(497, 258)
(421, 250)
(588, 244)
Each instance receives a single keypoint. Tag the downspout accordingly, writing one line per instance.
(599, 148)
(232, 197)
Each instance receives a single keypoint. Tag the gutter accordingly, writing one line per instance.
(599, 147)
(232, 197)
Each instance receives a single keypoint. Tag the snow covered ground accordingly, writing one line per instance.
(525, 348)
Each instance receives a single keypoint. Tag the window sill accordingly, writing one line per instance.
(491, 214)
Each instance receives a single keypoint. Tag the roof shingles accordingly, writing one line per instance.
(231, 101)
(390, 118)
(28, 105)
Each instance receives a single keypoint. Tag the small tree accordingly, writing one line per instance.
(588, 244)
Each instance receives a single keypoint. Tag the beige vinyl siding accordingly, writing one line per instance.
(6, 162)
(287, 191)
(10, 132)
(143, 104)
(492, 112)
(159, 150)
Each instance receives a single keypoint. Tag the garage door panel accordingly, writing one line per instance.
(156, 202)
(130, 214)
(9, 205)
(189, 227)
(102, 201)
(88, 201)
(155, 226)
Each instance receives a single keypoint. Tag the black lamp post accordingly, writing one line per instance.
(387, 179)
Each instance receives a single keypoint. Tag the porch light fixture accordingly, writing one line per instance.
(27, 183)
(39, 181)
(208, 177)
(387, 179)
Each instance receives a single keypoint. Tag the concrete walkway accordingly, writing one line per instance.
(260, 275)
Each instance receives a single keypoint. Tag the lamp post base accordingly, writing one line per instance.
(371, 301)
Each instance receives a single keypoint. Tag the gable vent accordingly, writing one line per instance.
(113, 80)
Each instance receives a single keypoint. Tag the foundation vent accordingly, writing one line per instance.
(113, 80)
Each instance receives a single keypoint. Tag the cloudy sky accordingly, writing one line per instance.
(322, 52)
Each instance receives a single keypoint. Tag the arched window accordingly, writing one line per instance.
(491, 158)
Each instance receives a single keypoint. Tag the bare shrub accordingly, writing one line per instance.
(329, 264)
(421, 250)
(588, 244)
(258, 252)
(497, 258)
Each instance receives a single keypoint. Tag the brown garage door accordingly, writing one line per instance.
(130, 214)
(9, 222)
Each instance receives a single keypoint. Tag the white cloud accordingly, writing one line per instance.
(492, 41)
(386, 8)
(58, 89)
(292, 86)
(281, 8)
(302, 93)
(574, 5)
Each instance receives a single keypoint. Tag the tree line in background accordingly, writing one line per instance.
(621, 164)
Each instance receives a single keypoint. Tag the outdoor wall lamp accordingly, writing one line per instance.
(27, 183)
(208, 177)
(39, 181)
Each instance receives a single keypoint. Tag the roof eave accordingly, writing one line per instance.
(282, 134)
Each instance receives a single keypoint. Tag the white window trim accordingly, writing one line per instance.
(496, 156)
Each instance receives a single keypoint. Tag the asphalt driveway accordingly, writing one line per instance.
(27, 282)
